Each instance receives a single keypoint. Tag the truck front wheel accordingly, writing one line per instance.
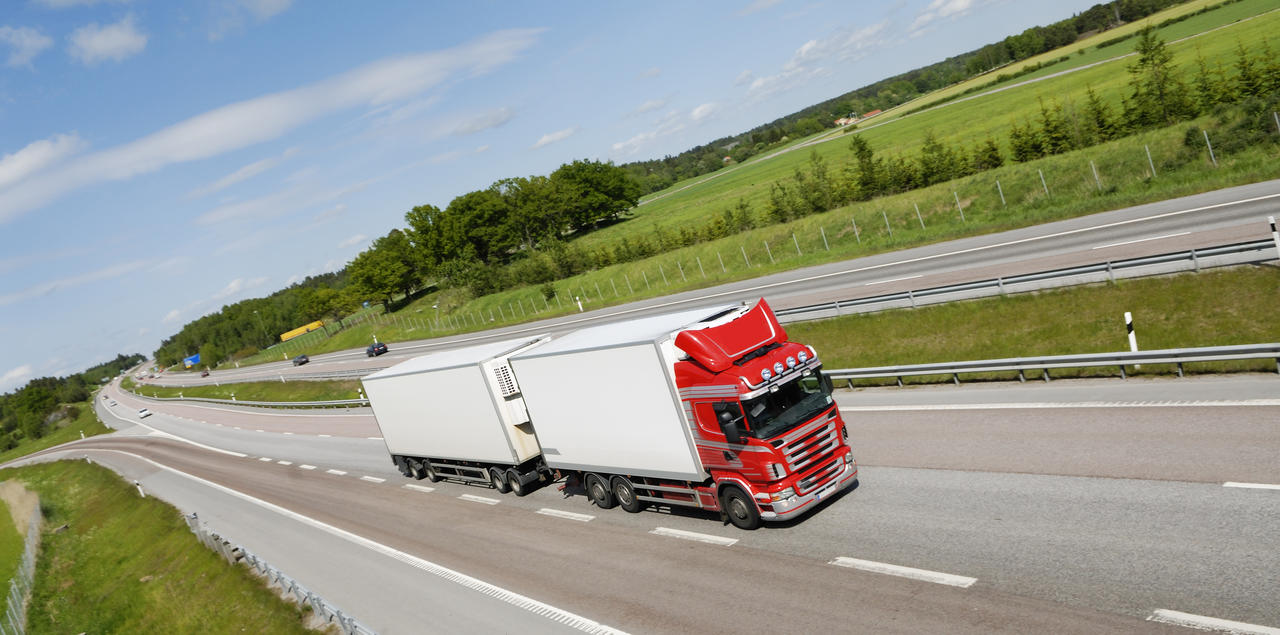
(598, 492)
(740, 508)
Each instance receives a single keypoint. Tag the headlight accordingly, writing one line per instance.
(848, 458)
(791, 362)
(765, 374)
(804, 357)
(777, 367)
(783, 495)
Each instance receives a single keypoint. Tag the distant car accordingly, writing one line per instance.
(300, 360)
(204, 373)
(144, 413)
(112, 402)
(375, 349)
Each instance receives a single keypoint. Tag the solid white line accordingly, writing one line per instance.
(1200, 622)
(562, 616)
(420, 488)
(288, 433)
(1251, 485)
(304, 466)
(265, 459)
(374, 438)
(689, 535)
(337, 472)
(479, 499)
(1074, 404)
(894, 280)
(583, 518)
(905, 572)
(285, 462)
(325, 436)
(170, 435)
(1142, 240)
(373, 479)
(258, 431)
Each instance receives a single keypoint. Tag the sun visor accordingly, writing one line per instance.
(716, 347)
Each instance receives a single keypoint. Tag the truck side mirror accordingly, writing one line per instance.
(728, 425)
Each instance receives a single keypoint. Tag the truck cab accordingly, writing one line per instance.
(765, 425)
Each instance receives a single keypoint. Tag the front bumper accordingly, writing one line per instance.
(790, 507)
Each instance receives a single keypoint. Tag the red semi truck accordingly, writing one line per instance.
(710, 408)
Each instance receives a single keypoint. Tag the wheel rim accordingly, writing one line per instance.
(597, 489)
(738, 508)
(514, 481)
(496, 480)
(623, 493)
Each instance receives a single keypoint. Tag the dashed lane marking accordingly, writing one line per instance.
(924, 575)
(304, 466)
(869, 284)
(373, 479)
(337, 472)
(690, 535)
(1201, 622)
(420, 488)
(1142, 240)
(265, 459)
(1251, 485)
(479, 499)
(582, 518)
(285, 462)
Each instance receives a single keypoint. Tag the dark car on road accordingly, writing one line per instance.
(300, 360)
(375, 349)
(204, 373)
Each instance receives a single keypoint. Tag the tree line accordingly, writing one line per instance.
(28, 412)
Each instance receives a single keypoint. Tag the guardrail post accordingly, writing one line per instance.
(956, 378)
(1046, 375)
(1179, 369)
(900, 380)
(1122, 373)
(1275, 235)
(1195, 262)
(1111, 272)
(1000, 285)
(1022, 378)
(911, 296)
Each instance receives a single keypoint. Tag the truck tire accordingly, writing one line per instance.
(625, 493)
(430, 472)
(599, 492)
(415, 470)
(513, 480)
(498, 480)
(740, 509)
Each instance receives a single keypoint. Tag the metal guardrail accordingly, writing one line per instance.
(1265, 250)
(15, 615)
(1178, 356)
(331, 614)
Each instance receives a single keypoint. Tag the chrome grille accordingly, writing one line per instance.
(819, 477)
(805, 450)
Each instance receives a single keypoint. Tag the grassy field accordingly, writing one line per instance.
(11, 546)
(62, 432)
(1214, 308)
(125, 564)
(264, 391)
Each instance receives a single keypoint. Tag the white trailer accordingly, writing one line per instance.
(604, 399)
(458, 414)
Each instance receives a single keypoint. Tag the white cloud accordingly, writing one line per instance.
(553, 137)
(92, 44)
(669, 124)
(264, 118)
(814, 58)
(236, 286)
(46, 288)
(232, 14)
(244, 173)
(263, 9)
(758, 5)
(352, 241)
(37, 156)
(63, 4)
(26, 43)
(481, 122)
(171, 317)
(703, 111)
(16, 376)
(483, 148)
(940, 10)
(649, 106)
(331, 213)
(651, 72)
(744, 77)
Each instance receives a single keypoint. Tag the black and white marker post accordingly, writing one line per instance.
(1133, 339)
(1275, 236)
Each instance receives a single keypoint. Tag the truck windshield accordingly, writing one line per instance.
(795, 402)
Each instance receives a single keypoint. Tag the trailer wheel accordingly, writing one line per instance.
(498, 481)
(430, 472)
(598, 492)
(513, 480)
(740, 508)
(415, 470)
(625, 493)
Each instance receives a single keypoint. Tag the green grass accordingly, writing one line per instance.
(11, 546)
(264, 391)
(126, 564)
(62, 432)
(1214, 308)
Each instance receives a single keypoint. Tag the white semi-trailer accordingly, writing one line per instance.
(710, 408)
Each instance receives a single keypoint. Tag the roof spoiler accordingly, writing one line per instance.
(715, 347)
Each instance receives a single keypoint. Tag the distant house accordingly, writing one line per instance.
(871, 114)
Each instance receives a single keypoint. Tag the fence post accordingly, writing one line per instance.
(722, 269)
(824, 239)
(664, 275)
(744, 255)
(1210, 146)
(886, 223)
(953, 193)
(700, 269)
(797, 242)
(918, 216)
(1001, 191)
(1277, 118)
(855, 230)
(1043, 184)
(1095, 174)
(1150, 162)
(770, 252)
(630, 291)
(680, 266)
(646, 279)
(615, 287)
(599, 295)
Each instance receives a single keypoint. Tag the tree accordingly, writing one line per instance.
(1024, 142)
(1158, 96)
(1098, 118)
(534, 208)
(1054, 133)
(591, 191)
(938, 163)
(986, 156)
(379, 272)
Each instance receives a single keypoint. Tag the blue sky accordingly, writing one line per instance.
(160, 159)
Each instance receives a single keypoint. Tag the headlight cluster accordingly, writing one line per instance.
(782, 495)
(804, 357)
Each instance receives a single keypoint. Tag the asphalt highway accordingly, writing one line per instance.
(1213, 218)
(1068, 507)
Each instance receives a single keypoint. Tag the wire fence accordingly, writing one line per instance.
(15, 615)
(289, 587)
